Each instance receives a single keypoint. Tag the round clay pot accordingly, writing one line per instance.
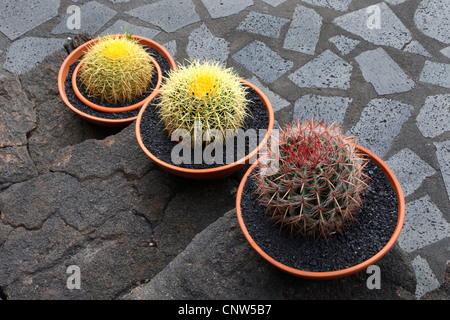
(217, 172)
(338, 273)
(77, 53)
(95, 106)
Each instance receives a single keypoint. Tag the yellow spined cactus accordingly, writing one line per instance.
(203, 93)
(116, 69)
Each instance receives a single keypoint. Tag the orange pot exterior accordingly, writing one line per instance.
(121, 109)
(77, 53)
(218, 172)
(338, 273)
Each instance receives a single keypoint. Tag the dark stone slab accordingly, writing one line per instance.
(220, 264)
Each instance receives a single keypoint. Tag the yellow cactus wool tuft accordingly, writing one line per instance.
(116, 69)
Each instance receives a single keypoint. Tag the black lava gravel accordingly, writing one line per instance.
(77, 103)
(158, 142)
(372, 228)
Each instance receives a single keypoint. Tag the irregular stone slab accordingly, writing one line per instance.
(220, 259)
(328, 109)
(24, 54)
(432, 18)
(17, 114)
(45, 89)
(263, 24)
(265, 63)
(121, 27)
(304, 31)
(48, 193)
(394, 2)
(93, 15)
(436, 73)
(58, 127)
(344, 44)
(433, 118)
(87, 159)
(379, 124)
(274, 3)
(170, 15)
(446, 52)
(328, 70)
(219, 8)
(392, 32)
(27, 251)
(278, 103)
(383, 73)
(171, 46)
(203, 45)
(341, 5)
(424, 225)
(426, 280)
(16, 165)
(412, 175)
(443, 156)
(20, 16)
(417, 48)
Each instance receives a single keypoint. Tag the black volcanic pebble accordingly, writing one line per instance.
(73, 99)
(370, 231)
(158, 142)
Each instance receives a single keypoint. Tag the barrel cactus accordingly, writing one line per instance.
(317, 182)
(200, 97)
(116, 69)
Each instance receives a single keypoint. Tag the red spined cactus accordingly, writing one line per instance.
(318, 180)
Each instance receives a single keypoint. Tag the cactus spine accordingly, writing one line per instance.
(116, 69)
(319, 180)
(203, 93)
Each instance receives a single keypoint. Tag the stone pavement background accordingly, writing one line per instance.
(72, 193)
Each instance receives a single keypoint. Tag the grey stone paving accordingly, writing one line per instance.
(169, 15)
(263, 24)
(381, 115)
(383, 73)
(25, 53)
(433, 118)
(94, 15)
(344, 44)
(424, 225)
(262, 61)
(19, 17)
(220, 8)
(431, 18)
(304, 31)
(329, 109)
(328, 70)
(412, 175)
(121, 27)
(391, 31)
(443, 155)
(203, 45)
(436, 73)
(134, 223)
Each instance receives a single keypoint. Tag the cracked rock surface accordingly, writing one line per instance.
(72, 193)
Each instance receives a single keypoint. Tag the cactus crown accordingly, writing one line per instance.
(203, 93)
(116, 69)
(317, 185)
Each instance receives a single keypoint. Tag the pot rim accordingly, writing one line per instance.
(78, 52)
(132, 107)
(189, 171)
(324, 275)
